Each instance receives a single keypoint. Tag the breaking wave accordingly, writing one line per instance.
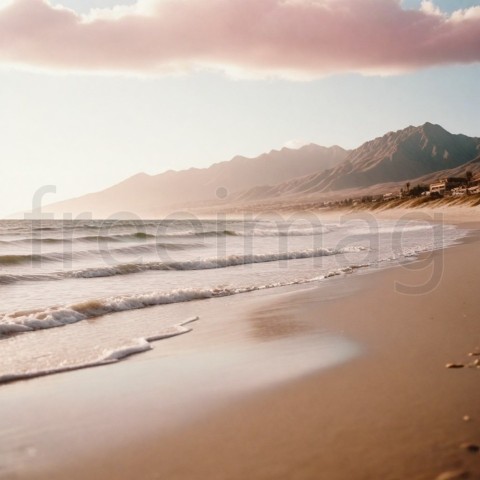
(256, 232)
(201, 264)
(58, 316)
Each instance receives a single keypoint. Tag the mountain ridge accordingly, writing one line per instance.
(394, 157)
(310, 171)
(145, 194)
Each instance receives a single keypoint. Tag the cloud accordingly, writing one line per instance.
(430, 8)
(289, 38)
(296, 143)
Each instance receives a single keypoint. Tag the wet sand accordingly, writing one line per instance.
(263, 394)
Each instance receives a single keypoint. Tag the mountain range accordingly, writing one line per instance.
(414, 154)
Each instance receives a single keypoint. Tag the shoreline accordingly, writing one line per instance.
(273, 431)
(142, 344)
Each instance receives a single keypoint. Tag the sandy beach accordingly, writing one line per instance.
(239, 240)
(344, 381)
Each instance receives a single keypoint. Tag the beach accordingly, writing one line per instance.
(239, 240)
(344, 380)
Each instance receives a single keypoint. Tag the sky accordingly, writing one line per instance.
(94, 91)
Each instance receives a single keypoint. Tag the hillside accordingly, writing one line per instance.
(147, 195)
(395, 157)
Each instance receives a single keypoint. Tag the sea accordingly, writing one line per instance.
(81, 293)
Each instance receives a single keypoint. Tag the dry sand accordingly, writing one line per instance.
(393, 411)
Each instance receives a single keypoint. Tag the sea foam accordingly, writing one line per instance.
(107, 357)
(58, 316)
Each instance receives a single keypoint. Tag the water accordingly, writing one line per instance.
(62, 274)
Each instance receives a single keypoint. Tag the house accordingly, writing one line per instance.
(445, 185)
(459, 191)
(439, 187)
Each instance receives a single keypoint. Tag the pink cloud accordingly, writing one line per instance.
(284, 37)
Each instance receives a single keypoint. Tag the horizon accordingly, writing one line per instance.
(83, 128)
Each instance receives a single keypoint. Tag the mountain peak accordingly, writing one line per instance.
(432, 128)
(397, 156)
(403, 155)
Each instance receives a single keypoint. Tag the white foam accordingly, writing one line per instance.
(58, 316)
(286, 231)
(211, 263)
(393, 229)
(138, 346)
(133, 347)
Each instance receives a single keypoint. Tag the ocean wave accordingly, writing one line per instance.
(132, 237)
(116, 238)
(30, 259)
(186, 265)
(10, 260)
(64, 240)
(289, 232)
(209, 263)
(394, 229)
(34, 241)
(255, 232)
(203, 264)
(107, 357)
(13, 260)
(125, 237)
(151, 247)
(9, 278)
(69, 236)
(106, 236)
(59, 316)
(44, 229)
